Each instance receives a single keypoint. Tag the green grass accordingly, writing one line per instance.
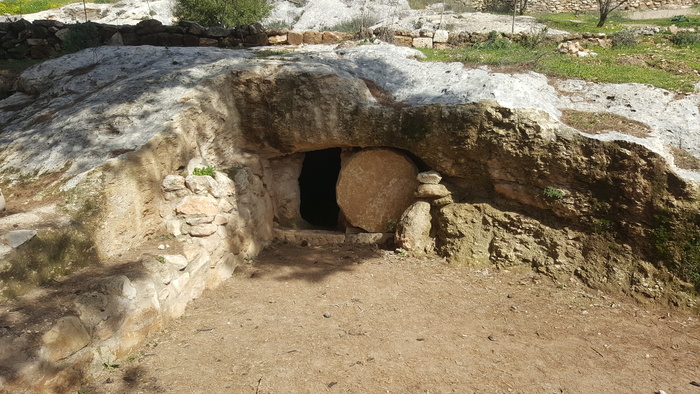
(20, 7)
(208, 171)
(605, 68)
(586, 22)
(655, 64)
(582, 23)
(693, 21)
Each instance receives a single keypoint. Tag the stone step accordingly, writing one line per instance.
(325, 237)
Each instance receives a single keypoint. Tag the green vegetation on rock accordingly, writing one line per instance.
(676, 240)
(81, 36)
(226, 13)
(204, 171)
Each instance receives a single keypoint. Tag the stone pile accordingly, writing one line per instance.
(202, 215)
(213, 225)
(575, 48)
(413, 231)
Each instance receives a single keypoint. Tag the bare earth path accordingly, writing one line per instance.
(354, 319)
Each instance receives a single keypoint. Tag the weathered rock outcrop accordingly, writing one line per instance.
(113, 146)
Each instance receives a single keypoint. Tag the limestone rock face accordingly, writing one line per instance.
(18, 237)
(432, 191)
(375, 187)
(65, 338)
(173, 183)
(286, 194)
(198, 205)
(429, 177)
(413, 229)
(2, 202)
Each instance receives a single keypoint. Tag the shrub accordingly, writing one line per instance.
(226, 13)
(625, 38)
(680, 19)
(385, 34)
(81, 36)
(685, 38)
(278, 24)
(493, 42)
(676, 241)
(553, 193)
(353, 25)
(498, 6)
(204, 171)
(534, 38)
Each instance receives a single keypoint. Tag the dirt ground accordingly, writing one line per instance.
(356, 319)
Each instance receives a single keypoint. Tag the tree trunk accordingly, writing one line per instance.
(601, 21)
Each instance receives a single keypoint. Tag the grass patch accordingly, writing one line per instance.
(206, 171)
(685, 160)
(271, 53)
(686, 21)
(47, 257)
(606, 67)
(676, 240)
(582, 23)
(20, 7)
(655, 63)
(596, 123)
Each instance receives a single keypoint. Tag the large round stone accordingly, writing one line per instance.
(374, 187)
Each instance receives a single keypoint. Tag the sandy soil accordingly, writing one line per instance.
(356, 319)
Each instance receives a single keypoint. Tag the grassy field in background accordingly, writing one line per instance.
(21, 7)
(663, 66)
(654, 60)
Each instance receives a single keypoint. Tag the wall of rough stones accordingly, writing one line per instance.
(212, 224)
(43, 38)
(560, 6)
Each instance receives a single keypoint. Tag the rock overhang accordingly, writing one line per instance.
(92, 106)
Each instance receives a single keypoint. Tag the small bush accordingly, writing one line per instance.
(685, 38)
(204, 171)
(680, 19)
(494, 42)
(625, 38)
(499, 6)
(279, 25)
(353, 25)
(81, 36)
(221, 13)
(385, 34)
(534, 39)
(553, 193)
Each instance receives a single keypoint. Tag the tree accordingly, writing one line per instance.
(225, 13)
(605, 7)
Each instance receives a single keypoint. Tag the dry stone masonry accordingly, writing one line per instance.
(44, 38)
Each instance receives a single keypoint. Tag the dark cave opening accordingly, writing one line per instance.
(317, 182)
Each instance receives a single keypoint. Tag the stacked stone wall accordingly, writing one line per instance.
(561, 6)
(43, 38)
